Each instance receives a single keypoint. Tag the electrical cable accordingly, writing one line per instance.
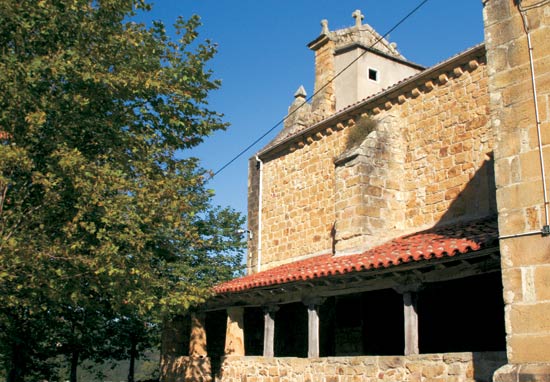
(523, 10)
(532, 6)
(243, 151)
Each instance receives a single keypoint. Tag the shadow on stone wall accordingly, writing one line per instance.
(185, 369)
(476, 200)
(486, 363)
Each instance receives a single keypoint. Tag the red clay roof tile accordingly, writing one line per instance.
(436, 243)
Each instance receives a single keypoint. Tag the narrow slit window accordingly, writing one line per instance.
(373, 74)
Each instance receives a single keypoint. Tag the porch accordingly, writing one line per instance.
(436, 316)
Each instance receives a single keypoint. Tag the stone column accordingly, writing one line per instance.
(409, 288)
(174, 347)
(313, 326)
(313, 331)
(234, 335)
(524, 247)
(197, 342)
(411, 323)
(269, 330)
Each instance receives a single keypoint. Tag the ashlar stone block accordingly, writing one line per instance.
(530, 318)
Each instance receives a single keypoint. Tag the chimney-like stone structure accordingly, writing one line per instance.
(324, 99)
(352, 64)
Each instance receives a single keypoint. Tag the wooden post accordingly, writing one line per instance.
(411, 323)
(269, 330)
(197, 342)
(234, 335)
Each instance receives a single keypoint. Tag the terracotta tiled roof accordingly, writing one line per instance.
(434, 243)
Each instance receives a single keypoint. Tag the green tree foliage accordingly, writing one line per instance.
(100, 219)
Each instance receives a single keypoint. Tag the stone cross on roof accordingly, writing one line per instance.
(358, 16)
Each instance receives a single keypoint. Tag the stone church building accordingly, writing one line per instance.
(398, 224)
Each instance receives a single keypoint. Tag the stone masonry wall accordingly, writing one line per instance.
(368, 198)
(185, 369)
(525, 259)
(428, 162)
(448, 164)
(298, 201)
(453, 367)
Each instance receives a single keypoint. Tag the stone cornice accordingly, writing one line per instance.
(318, 42)
(411, 87)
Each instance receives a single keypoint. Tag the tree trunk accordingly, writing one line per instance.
(74, 365)
(133, 356)
(18, 365)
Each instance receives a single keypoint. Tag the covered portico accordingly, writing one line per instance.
(432, 292)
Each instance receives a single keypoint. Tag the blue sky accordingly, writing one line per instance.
(263, 59)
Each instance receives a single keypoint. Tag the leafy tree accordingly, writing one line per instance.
(101, 213)
(134, 336)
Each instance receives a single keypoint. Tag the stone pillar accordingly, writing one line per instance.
(313, 331)
(411, 323)
(174, 367)
(269, 330)
(234, 335)
(197, 342)
(313, 326)
(174, 347)
(324, 101)
(525, 251)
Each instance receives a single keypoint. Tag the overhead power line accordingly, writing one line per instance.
(243, 151)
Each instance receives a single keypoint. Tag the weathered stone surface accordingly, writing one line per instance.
(528, 348)
(185, 369)
(457, 367)
(419, 167)
(197, 343)
(234, 336)
(542, 282)
(531, 318)
(518, 174)
(528, 251)
(528, 372)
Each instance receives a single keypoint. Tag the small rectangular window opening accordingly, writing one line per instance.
(373, 74)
